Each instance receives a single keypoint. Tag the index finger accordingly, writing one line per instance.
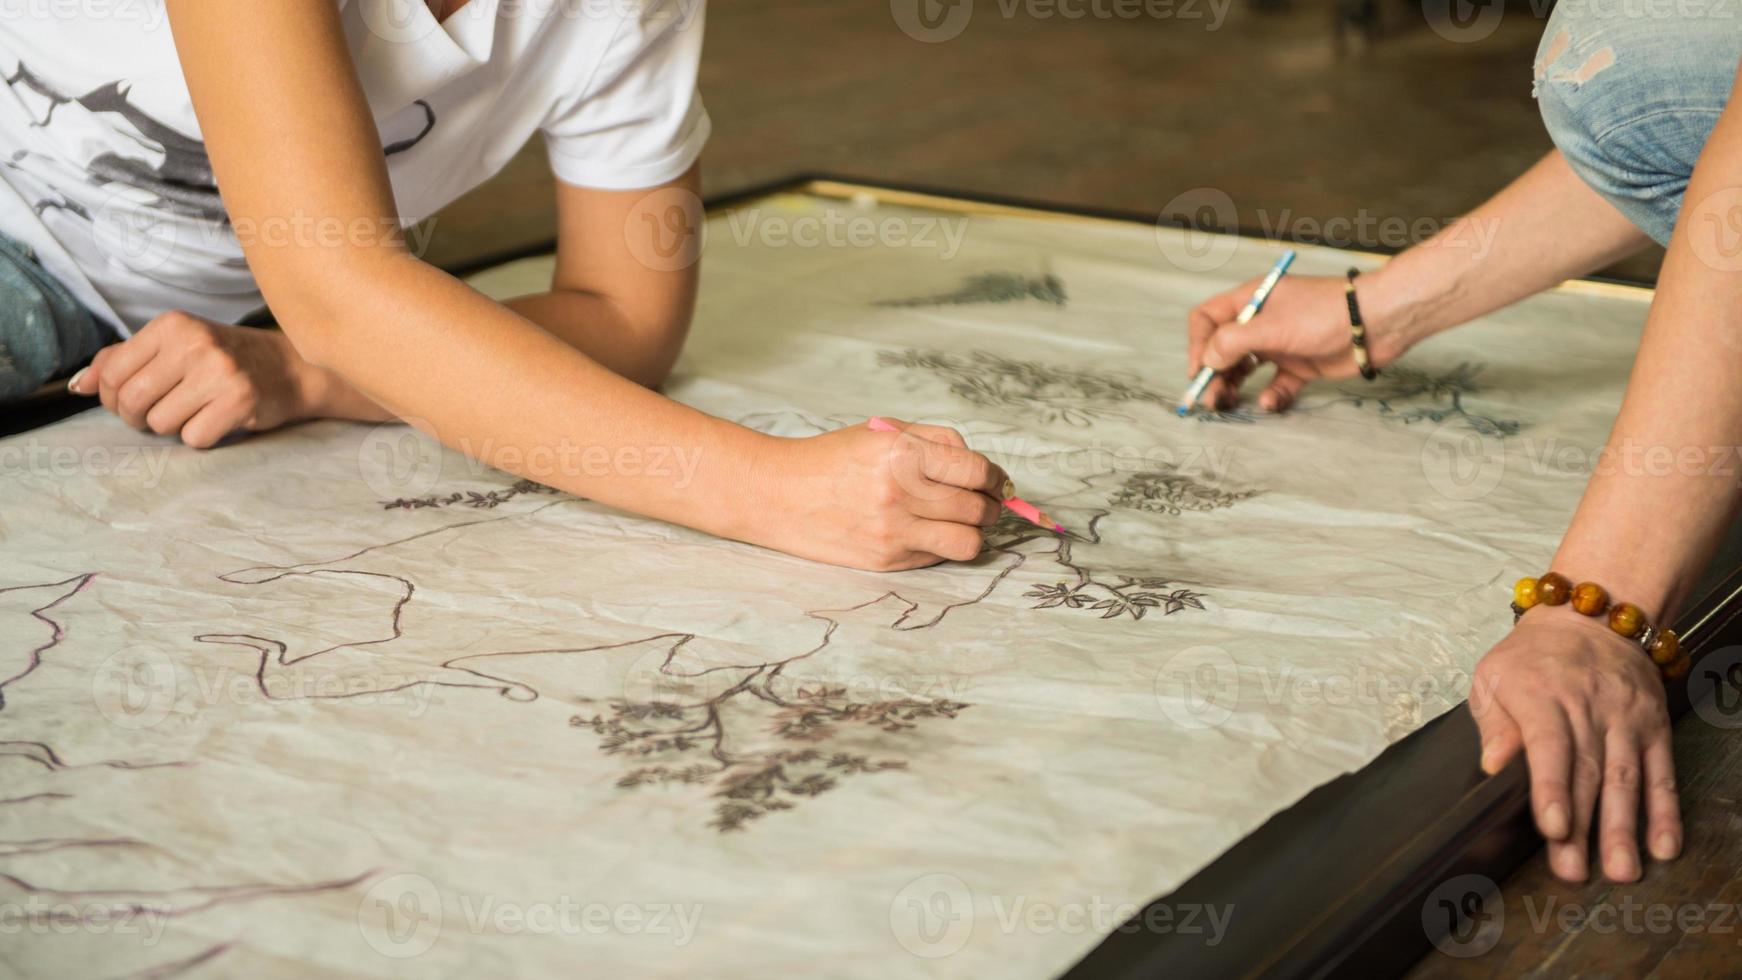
(1207, 316)
(959, 467)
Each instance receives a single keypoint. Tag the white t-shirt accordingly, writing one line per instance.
(104, 171)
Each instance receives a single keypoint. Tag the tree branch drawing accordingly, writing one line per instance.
(15, 665)
(687, 740)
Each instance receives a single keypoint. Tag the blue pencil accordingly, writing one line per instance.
(1206, 374)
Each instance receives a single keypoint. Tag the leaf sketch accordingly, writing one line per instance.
(487, 500)
(1113, 601)
(690, 743)
(1168, 491)
(1048, 392)
(992, 287)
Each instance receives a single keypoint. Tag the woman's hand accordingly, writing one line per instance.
(1303, 329)
(882, 501)
(185, 375)
(1587, 707)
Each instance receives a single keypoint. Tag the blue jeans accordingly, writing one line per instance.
(1630, 91)
(44, 331)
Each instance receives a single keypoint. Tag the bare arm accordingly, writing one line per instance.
(1586, 707)
(1544, 228)
(625, 306)
(485, 379)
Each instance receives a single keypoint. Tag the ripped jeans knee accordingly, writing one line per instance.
(1630, 91)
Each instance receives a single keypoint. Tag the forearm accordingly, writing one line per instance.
(1542, 229)
(1657, 507)
(593, 324)
(484, 380)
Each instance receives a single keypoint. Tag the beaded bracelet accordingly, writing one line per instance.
(1625, 618)
(1358, 331)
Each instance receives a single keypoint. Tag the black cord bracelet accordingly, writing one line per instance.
(1358, 331)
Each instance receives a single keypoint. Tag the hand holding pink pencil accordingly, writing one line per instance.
(1016, 505)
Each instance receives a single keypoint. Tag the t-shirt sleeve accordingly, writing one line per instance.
(639, 122)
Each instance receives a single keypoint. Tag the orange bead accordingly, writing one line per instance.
(1627, 619)
(1553, 589)
(1524, 593)
(1678, 668)
(1590, 599)
(1664, 647)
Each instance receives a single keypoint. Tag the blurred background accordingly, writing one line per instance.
(1368, 123)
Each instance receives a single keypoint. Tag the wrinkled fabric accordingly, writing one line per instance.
(334, 699)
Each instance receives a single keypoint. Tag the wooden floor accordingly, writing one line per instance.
(1680, 920)
(1112, 113)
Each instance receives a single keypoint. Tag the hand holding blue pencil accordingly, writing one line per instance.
(1206, 374)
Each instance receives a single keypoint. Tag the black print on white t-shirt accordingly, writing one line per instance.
(172, 166)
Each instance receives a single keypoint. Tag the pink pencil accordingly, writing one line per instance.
(1021, 508)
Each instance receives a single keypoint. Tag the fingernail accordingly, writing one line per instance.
(1665, 847)
(1267, 403)
(1488, 758)
(1008, 490)
(1554, 821)
(73, 382)
(1622, 866)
